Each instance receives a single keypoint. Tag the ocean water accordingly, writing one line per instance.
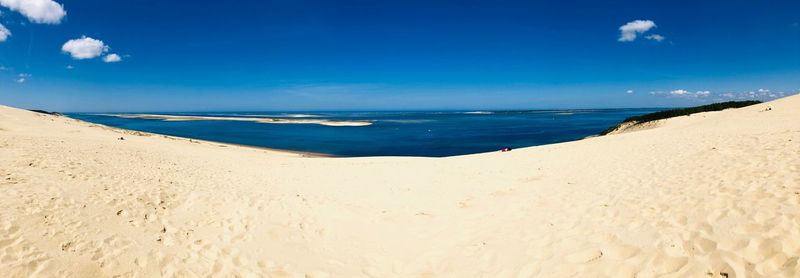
(433, 134)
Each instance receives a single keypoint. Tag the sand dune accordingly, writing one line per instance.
(709, 195)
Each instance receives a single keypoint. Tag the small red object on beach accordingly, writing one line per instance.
(505, 150)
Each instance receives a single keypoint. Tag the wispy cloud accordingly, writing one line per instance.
(681, 93)
(631, 30)
(4, 33)
(655, 37)
(84, 48)
(38, 11)
(629, 91)
(759, 94)
(22, 78)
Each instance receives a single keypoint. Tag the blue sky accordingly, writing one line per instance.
(394, 55)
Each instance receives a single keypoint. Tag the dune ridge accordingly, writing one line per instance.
(712, 195)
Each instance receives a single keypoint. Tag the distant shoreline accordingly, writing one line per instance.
(145, 133)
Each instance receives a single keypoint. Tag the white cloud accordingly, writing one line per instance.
(69, 67)
(112, 58)
(629, 91)
(706, 95)
(655, 37)
(631, 30)
(22, 78)
(760, 94)
(679, 92)
(38, 11)
(84, 48)
(4, 33)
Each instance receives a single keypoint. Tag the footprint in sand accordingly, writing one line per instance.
(775, 264)
(759, 250)
(703, 245)
(620, 251)
(665, 264)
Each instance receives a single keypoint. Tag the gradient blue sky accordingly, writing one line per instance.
(400, 55)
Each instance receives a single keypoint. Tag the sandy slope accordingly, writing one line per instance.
(707, 195)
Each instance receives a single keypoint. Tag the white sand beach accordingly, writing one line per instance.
(709, 195)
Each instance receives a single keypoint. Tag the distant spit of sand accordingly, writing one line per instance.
(243, 119)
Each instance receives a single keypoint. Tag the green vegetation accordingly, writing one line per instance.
(46, 112)
(666, 114)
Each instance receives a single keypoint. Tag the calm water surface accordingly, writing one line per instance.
(391, 133)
